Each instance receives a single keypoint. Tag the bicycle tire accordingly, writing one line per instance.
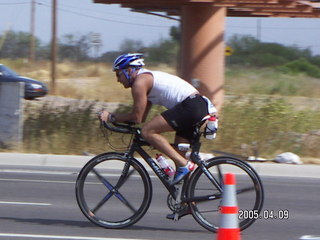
(250, 193)
(108, 181)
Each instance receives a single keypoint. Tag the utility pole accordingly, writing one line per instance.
(32, 35)
(259, 29)
(54, 46)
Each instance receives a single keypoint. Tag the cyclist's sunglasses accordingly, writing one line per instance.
(119, 73)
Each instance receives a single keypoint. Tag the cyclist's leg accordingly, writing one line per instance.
(178, 139)
(181, 118)
(152, 130)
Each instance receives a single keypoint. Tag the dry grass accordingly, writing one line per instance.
(97, 81)
(76, 80)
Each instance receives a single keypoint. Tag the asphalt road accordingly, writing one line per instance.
(39, 203)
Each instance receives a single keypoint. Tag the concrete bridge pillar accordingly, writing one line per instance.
(202, 52)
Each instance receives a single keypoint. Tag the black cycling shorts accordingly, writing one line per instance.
(184, 116)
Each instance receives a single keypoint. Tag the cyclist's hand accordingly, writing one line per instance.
(103, 115)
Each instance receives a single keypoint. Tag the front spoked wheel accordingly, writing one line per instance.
(113, 191)
(207, 198)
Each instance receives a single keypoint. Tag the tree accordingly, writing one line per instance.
(175, 33)
(252, 52)
(164, 51)
(75, 47)
(16, 45)
(109, 56)
(129, 45)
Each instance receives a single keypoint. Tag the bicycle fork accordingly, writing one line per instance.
(210, 177)
(202, 165)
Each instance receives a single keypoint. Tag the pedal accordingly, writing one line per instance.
(175, 216)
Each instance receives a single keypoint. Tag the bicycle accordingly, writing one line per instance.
(108, 179)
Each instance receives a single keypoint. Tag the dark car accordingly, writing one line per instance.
(33, 89)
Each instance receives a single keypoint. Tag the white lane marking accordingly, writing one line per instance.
(37, 172)
(14, 235)
(23, 171)
(25, 203)
(309, 237)
(33, 180)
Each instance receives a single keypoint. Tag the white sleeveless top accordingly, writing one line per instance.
(168, 90)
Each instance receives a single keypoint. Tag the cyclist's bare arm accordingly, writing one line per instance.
(141, 106)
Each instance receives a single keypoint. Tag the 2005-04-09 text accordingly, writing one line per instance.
(265, 214)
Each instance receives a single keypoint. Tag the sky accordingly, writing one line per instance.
(115, 24)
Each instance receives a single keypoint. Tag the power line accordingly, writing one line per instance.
(103, 19)
(17, 3)
(99, 11)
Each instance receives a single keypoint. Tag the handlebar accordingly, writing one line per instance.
(120, 127)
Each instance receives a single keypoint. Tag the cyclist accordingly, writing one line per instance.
(185, 107)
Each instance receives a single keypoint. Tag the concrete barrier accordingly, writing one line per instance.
(51, 160)
(11, 113)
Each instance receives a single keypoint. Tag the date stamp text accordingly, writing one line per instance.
(265, 214)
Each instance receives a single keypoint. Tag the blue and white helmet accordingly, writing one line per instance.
(126, 60)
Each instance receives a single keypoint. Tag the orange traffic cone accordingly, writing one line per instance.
(229, 224)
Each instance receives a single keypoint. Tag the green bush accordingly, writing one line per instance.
(269, 126)
(266, 59)
(65, 130)
(301, 65)
(270, 81)
(248, 51)
(70, 129)
(272, 126)
(283, 88)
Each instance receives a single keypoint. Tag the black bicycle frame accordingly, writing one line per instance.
(196, 158)
(136, 146)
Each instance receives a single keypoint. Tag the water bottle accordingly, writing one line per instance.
(165, 165)
(211, 128)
